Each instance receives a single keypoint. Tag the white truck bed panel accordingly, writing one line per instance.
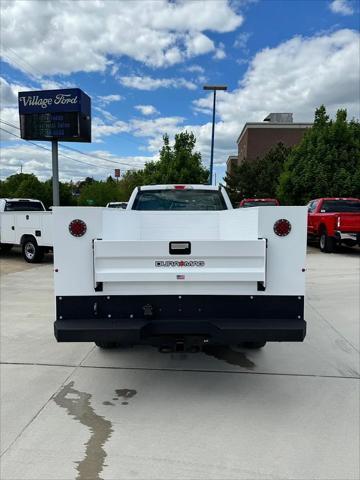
(13, 225)
(137, 261)
(228, 242)
(150, 225)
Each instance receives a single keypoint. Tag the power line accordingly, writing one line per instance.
(39, 74)
(48, 150)
(13, 62)
(97, 157)
(10, 124)
(91, 155)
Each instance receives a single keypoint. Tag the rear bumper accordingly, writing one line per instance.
(149, 320)
(341, 236)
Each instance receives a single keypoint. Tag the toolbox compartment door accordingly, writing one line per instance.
(151, 261)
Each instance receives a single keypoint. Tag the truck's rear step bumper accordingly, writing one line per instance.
(142, 332)
(218, 319)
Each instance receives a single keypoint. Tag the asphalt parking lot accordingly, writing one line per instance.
(290, 411)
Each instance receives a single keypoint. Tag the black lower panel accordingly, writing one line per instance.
(220, 319)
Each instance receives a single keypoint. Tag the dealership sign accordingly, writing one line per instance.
(62, 115)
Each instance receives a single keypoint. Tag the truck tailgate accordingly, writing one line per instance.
(349, 222)
(150, 261)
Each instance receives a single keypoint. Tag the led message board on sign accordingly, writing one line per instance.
(62, 115)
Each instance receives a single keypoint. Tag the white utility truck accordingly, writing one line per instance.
(25, 222)
(180, 269)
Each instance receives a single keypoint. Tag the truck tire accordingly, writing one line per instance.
(254, 345)
(106, 345)
(5, 247)
(326, 243)
(31, 251)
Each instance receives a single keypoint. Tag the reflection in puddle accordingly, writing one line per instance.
(78, 405)
(230, 356)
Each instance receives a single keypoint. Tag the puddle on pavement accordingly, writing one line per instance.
(77, 405)
(125, 394)
(233, 357)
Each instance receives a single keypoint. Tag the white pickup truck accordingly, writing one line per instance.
(25, 222)
(179, 268)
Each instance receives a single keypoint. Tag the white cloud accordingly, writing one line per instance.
(198, 44)
(9, 92)
(9, 117)
(54, 85)
(195, 69)
(105, 113)
(344, 7)
(106, 99)
(296, 76)
(56, 38)
(38, 161)
(157, 127)
(149, 83)
(100, 129)
(242, 40)
(146, 109)
(220, 53)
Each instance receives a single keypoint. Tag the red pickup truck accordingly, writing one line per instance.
(333, 221)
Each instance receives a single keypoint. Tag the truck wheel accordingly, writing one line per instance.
(254, 345)
(31, 251)
(106, 345)
(326, 243)
(5, 247)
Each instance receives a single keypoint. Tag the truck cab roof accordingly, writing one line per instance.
(179, 187)
(21, 200)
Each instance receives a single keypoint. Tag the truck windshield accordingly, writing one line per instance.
(265, 203)
(23, 206)
(187, 199)
(333, 206)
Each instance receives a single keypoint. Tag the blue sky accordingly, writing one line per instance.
(144, 64)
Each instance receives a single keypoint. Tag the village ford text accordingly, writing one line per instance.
(60, 99)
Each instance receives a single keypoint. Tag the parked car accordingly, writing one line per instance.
(258, 202)
(332, 221)
(25, 222)
(180, 269)
(117, 205)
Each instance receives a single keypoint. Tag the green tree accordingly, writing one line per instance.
(257, 178)
(130, 180)
(178, 163)
(12, 183)
(65, 191)
(232, 185)
(325, 163)
(98, 193)
(25, 185)
(269, 169)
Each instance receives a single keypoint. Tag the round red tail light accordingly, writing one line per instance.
(282, 227)
(77, 228)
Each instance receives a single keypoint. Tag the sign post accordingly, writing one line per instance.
(55, 115)
(55, 173)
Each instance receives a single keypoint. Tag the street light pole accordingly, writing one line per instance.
(214, 88)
